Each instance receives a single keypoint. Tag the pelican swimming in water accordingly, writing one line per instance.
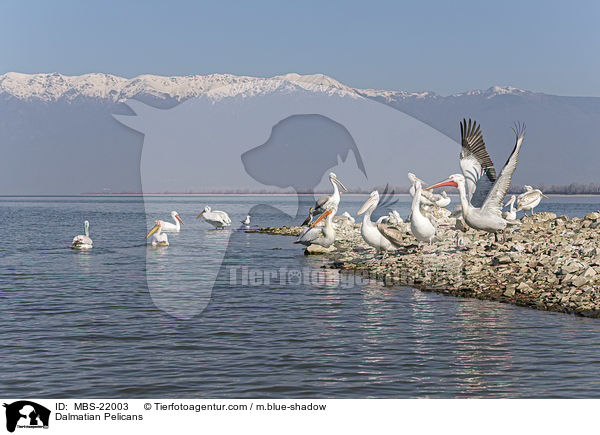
(529, 199)
(380, 236)
(420, 226)
(219, 219)
(328, 202)
(488, 217)
(83, 242)
(173, 227)
(323, 236)
(511, 214)
(159, 238)
(246, 221)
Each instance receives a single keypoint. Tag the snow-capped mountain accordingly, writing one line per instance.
(58, 133)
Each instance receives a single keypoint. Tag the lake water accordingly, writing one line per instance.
(88, 324)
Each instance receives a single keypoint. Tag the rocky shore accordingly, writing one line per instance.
(547, 263)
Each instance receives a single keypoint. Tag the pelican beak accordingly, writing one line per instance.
(339, 183)
(179, 219)
(327, 213)
(368, 203)
(199, 215)
(448, 182)
(153, 230)
(545, 196)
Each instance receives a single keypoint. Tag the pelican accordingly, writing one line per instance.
(444, 201)
(374, 234)
(393, 218)
(344, 219)
(322, 236)
(159, 238)
(218, 219)
(488, 217)
(328, 202)
(529, 199)
(427, 198)
(420, 226)
(246, 221)
(511, 214)
(169, 227)
(309, 219)
(83, 242)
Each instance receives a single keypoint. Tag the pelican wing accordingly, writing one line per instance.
(393, 234)
(223, 217)
(309, 235)
(475, 162)
(320, 204)
(527, 198)
(493, 202)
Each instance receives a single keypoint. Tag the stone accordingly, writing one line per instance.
(318, 249)
(580, 281)
(593, 216)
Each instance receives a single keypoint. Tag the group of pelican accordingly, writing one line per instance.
(481, 192)
(219, 219)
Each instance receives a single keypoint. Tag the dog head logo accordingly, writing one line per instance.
(26, 414)
(278, 133)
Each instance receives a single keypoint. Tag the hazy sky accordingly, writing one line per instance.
(548, 46)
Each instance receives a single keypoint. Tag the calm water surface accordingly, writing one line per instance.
(84, 324)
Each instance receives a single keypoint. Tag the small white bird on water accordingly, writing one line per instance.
(420, 226)
(159, 238)
(219, 219)
(511, 214)
(83, 242)
(173, 227)
(246, 221)
(529, 199)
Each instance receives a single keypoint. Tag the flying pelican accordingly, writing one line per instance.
(159, 238)
(511, 214)
(373, 234)
(488, 217)
(83, 242)
(529, 199)
(322, 236)
(246, 221)
(327, 202)
(420, 226)
(218, 219)
(169, 227)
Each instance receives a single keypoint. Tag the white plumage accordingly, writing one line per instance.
(83, 242)
(218, 219)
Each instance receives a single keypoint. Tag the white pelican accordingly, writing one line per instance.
(168, 226)
(511, 214)
(488, 217)
(444, 201)
(529, 199)
(246, 221)
(420, 226)
(427, 198)
(309, 219)
(323, 236)
(159, 238)
(328, 202)
(371, 233)
(393, 218)
(83, 242)
(217, 218)
(344, 220)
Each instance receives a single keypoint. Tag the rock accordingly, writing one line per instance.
(593, 216)
(589, 272)
(510, 291)
(571, 267)
(524, 288)
(503, 259)
(318, 249)
(580, 281)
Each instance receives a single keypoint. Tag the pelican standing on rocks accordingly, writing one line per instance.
(323, 236)
(328, 202)
(420, 226)
(159, 238)
(219, 219)
(529, 199)
(83, 241)
(511, 214)
(488, 217)
(375, 234)
(173, 227)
